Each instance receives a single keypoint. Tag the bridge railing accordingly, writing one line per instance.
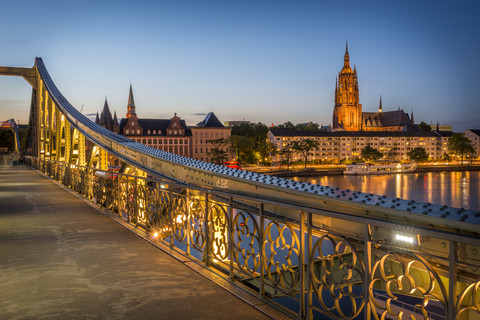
(308, 267)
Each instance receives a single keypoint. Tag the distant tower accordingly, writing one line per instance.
(347, 113)
(131, 104)
(106, 119)
(380, 109)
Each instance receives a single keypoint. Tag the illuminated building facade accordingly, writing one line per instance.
(347, 112)
(203, 135)
(336, 146)
(474, 136)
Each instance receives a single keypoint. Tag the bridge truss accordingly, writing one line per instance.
(309, 250)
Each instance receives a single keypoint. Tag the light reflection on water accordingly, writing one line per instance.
(454, 189)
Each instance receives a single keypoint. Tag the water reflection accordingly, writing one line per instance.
(455, 189)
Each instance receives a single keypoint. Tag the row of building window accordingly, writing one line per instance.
(159, 141)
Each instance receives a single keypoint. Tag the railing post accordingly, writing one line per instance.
(187, 220)
(135, 202)
(301, 261)
(119, 196)
(260, 251)
(367, 261)
(230, 236)
(207, 232)
(172, 221)
(309, 313)
(452, 279)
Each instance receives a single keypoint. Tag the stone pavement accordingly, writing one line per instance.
(62, 259)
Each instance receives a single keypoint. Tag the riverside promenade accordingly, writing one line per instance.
(61, 258)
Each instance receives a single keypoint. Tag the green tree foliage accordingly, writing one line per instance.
(286, 126)
(216, 153)
(460, 145)
(259, 149)
(7, 139)
(418, 154)
(286, 154)
(304, 147)
(311, 127)
(446, 157)
(265, 152)
(369, 153)
(241, 147)
(425, 127)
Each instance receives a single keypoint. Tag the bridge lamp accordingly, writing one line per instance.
(405, 238)
(416, 239)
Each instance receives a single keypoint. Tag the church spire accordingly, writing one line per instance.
(131, 104)
(380, 109)
(115, 119)
(346, 58)
(411, 118)
(346, 61)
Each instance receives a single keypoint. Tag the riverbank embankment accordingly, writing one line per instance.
(310, 172)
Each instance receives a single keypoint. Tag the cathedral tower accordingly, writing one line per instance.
(347, 114)
(131, 104)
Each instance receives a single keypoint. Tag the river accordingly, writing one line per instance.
(454, 189)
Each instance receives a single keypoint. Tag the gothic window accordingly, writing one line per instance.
(175, 132)
(148, 132)
(138, 131)
(127, 131)
(154, 131)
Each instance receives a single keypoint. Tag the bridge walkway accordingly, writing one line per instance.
(60, 258)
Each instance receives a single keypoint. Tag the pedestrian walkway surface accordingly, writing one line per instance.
(62, 259)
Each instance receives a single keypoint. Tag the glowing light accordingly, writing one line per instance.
(155, 235)
(404, 238)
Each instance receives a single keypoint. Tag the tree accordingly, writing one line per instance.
(266, 150)
(217, 154)
(418, 154)
(241, 147)
(424, 127)
(369, 153)
(311, 127)
(460, 145)
(304, 147)
(446, 157)
(7, 139)
(286, 154)
(286, 126)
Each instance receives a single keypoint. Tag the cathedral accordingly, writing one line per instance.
(348, 115)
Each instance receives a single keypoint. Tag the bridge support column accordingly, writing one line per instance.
(103, 159)
(50, 137)
(40, 120)
(58, 136)
(67, 132)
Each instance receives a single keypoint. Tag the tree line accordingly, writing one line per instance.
(248, 143)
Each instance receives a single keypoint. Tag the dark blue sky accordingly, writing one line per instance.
(268, 61)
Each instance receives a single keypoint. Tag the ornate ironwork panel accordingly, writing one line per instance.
(246, 242)
(218, 227)
(336, 276)
(397, 276)
(281, 254)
